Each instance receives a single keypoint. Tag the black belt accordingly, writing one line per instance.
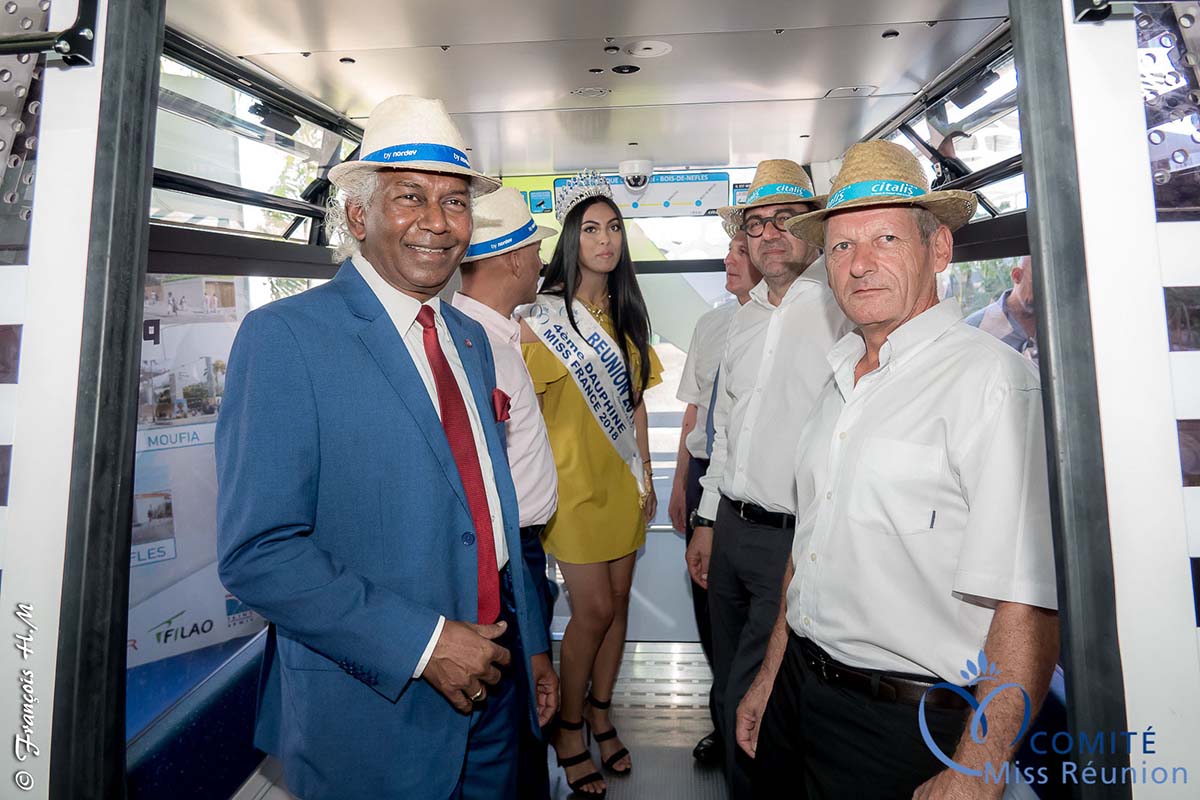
(760, 516)
(878, 685)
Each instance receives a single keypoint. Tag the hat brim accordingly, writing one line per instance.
(480, 184)
(541, 233)
(953, 208)
(731, 215)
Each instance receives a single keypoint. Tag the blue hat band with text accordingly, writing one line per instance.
(502, 242)
(779, 188)
(889, 189)
(424, 152)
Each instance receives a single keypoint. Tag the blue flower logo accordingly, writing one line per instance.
(977, 673)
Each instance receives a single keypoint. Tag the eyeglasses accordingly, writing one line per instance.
(754, 226)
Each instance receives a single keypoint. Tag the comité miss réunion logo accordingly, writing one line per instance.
(977, 673)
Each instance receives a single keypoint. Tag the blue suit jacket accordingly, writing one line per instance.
(343, 521)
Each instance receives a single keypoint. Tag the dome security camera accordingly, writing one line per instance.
(636, 173)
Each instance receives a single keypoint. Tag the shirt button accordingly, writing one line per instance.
(829, 495)
(812, 557)
(842, 435)
(808, 622)
(468, 538)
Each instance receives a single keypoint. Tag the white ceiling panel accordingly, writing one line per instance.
(673, 137)
(731, 91)
(245, 27)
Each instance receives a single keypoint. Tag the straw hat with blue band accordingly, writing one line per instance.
(776, 181)
(502, 224)
(413, 133)
(880, 173)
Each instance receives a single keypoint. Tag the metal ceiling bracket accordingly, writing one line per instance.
(1100, 10)
(75, 46)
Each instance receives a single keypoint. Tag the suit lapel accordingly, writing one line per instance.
(391, 355)
(477, 375)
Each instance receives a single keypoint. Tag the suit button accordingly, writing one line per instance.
(468, 538)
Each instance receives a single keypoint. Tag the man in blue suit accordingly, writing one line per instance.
(365, 503)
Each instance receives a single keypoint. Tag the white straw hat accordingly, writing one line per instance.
(502, 224)
(882, 173)
(416, 133)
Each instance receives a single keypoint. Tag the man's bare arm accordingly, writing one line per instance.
(1023, 642)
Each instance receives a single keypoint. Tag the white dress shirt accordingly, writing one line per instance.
(773, 368)
(402, 310)
(529, 456)
(923, 499)
(700, 371)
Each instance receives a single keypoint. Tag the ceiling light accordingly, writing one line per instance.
(590, 91)
(612, 49)
(346, 60)
(891, 33)
(648, 48)
(625, 69)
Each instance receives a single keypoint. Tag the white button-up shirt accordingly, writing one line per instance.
(529, 455)
(773, 368)
(402, 310)
(700, 371)
(923, 499)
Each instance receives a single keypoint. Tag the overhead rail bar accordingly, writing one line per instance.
(203, 58)
(190, 184)
(975, 60)
(993, 173)
(76, 45)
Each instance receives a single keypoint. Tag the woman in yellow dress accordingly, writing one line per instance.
(602, 512)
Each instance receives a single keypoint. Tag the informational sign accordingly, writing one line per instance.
(541, 201)
(740, 190)
(176, 600)
(670, 194)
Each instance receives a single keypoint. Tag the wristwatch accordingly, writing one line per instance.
(698, 521)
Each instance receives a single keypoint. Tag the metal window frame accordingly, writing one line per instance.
(1078, 492)
(88, 728)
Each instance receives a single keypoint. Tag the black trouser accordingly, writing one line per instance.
(533, 777)
(745, 581)
(819, 740)
(692, 491)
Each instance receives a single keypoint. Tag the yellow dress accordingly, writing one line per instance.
(598, 517)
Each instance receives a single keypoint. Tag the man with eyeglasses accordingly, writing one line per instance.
(773, 368)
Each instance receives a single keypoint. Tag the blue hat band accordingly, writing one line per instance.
(898, 190)
(503, 242)
(424, 152)
(779, 188)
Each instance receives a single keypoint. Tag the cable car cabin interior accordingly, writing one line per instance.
(674, 104)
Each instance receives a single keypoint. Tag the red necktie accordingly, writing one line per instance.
(462, 444)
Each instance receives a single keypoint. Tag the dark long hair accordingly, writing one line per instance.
(626, 305)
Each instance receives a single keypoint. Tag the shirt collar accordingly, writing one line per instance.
(506, 329)
(815, 274)
(904, 342)
(400, 307)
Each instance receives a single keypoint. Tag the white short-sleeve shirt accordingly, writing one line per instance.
(923, 499)
(700, 371)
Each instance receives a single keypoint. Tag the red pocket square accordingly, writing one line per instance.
(500, 403)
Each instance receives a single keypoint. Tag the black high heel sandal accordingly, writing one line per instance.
(604, 736)
(571, 761)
